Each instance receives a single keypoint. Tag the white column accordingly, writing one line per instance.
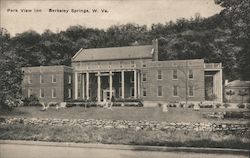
(110, 84)
(99, 87)
(221, 86)
(139, 85)
(87, 85)
(76, 87)
(135, 84)
(83, 86)
(122, 82)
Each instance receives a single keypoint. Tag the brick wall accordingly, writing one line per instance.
(167, 82)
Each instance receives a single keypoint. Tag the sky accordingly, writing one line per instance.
(51, 14)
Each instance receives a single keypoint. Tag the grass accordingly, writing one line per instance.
(125, 136)
(122, 113)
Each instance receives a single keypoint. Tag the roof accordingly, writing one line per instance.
(114, 53)
(238, 83)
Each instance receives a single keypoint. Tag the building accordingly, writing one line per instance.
(131, 72)
(237, 91)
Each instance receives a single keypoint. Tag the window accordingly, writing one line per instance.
(159, 91)
(190, 74)
(29, 92)
(69, 93)
(159, 75)
(53, 93)
(132, 92)
(143, 63)
(144, 77)
(190, 91)
(175, 91)
(69, 79)
(41, 79)
(121, 64)
(144, 92)
(53, 79)
(42, 93)
(29, 79)
(132, 63)
(175, 76)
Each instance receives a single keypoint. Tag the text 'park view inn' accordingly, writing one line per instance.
(125, 73)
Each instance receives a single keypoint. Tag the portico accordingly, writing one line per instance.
(101, 85)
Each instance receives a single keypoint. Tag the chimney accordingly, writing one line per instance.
(155, 54)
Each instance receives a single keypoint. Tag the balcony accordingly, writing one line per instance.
(212, 66)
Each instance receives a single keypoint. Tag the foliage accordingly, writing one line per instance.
(11, 74)
(31, 101)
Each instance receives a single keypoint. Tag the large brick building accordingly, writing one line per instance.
(125, 72)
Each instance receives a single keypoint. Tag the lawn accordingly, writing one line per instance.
(122, 113)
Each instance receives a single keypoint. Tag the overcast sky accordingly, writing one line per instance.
(118, 12)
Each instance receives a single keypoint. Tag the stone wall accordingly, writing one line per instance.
(124, 124)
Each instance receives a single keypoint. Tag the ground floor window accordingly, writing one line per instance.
(132, 94)
(175, 91)
(42, 93)
(69, 93)
(53, 93)
(144, 92)
(191, 91)
(159, 91)
(29, 92)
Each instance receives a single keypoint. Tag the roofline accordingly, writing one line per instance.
(77, 53)
(64, 66)
(111, 59)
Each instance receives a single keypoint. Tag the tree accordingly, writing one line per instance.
(230, 93)
(236, 12)
(242, 93)
(11, 74)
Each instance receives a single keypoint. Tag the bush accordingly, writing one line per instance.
(234, 114)
(218, 105)
(241, 106)
(31, 101)
(226, 105)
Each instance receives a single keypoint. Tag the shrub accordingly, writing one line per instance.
(218, 105)
(31, 101)
(234, 114)
(226, 105)
(181, 105)
(191, 105)
(241, 106)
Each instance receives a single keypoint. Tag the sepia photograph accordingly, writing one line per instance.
(124, 78)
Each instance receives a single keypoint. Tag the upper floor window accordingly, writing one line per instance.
(53, 79)
(132, 78)
(132, 63)
(69, 79)
(190, 74)
(144, 77)
(190, 91)
(159, 75)
(175, 91)
(121, 64)
(175, 75)
(143, 63)
(29, 79)
(159, 91)
(42, 93)
(41, 79)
